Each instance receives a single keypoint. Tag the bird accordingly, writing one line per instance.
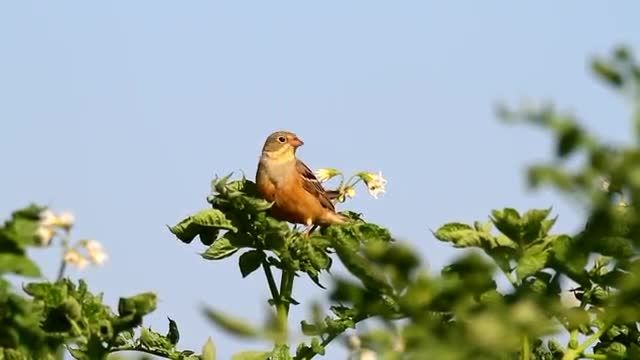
(297, 196)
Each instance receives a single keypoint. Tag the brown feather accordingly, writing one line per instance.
(313, 186)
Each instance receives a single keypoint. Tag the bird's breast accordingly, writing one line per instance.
(279, 173)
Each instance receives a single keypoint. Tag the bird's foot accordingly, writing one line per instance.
(308, 230)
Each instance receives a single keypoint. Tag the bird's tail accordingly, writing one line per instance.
(335, 218)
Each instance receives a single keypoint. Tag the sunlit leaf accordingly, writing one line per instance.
(220, 249)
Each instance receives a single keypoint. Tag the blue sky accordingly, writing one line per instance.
(124, 111)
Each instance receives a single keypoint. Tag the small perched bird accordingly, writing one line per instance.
(297, 195)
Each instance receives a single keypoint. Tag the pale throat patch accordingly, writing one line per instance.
(283, 155)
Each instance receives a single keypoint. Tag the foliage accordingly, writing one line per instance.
(519, 289)
(53, 316)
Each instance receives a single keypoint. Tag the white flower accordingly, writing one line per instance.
(48, 218)
(326, 174)
(375, 183)
(97, 255)
(63, 221)
(45, 234)
(367, 355)
(354, 342)
(74, 258)
(346, 193)
(66, 220)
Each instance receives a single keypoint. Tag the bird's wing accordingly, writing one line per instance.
(313, 186)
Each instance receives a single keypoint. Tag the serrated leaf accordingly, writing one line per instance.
(463, 235)
(206, 222)
(18, 264)
(213, 218)
(569, 256)
(281, 352)
(208, 350)
(357, 264)
(220, 249)
(141, 304)
(251, 355)
(233, 325)
(508, 222)
(310, 329)
(533, 226)
(152, 340)
(502, 256)
(533, 259)
(250, 261)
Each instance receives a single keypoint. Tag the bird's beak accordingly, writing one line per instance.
(296, 142)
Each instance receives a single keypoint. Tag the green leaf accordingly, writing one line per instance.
(463, 235)
(615, 246)
(220, 249)
(250, 261)
(533, 259)
(173, 335)
(503, 256)
(208, 236)
(208, 350)
(18, 264)
(281, 352)
(251, 355)
(141, 304)
(508, 222)
(568, 140)
(310, 329)
(367, 272)
(206, 223)
(569, 256)
(231, 324)
(533, 224)
(213, 218)
(152, 340)
(21, 228)
(607, 72)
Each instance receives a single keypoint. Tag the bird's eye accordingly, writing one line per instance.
(282, 139)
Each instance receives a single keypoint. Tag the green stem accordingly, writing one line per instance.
(272, 283)
(63, 267)
(286, 287)
(63, 264)
(309, 353)
(283, 301)
(573, 337)
(595, 356)
(526, 348)
(573, 354)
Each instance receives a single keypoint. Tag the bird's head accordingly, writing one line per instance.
(281, 144)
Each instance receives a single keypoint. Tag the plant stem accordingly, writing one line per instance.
(63, 264)
(63, 267)
(526, 348)
(282, 302)
(573, 354)
(595, 356)
(272, 283)
(309, 353)
(286, 288)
